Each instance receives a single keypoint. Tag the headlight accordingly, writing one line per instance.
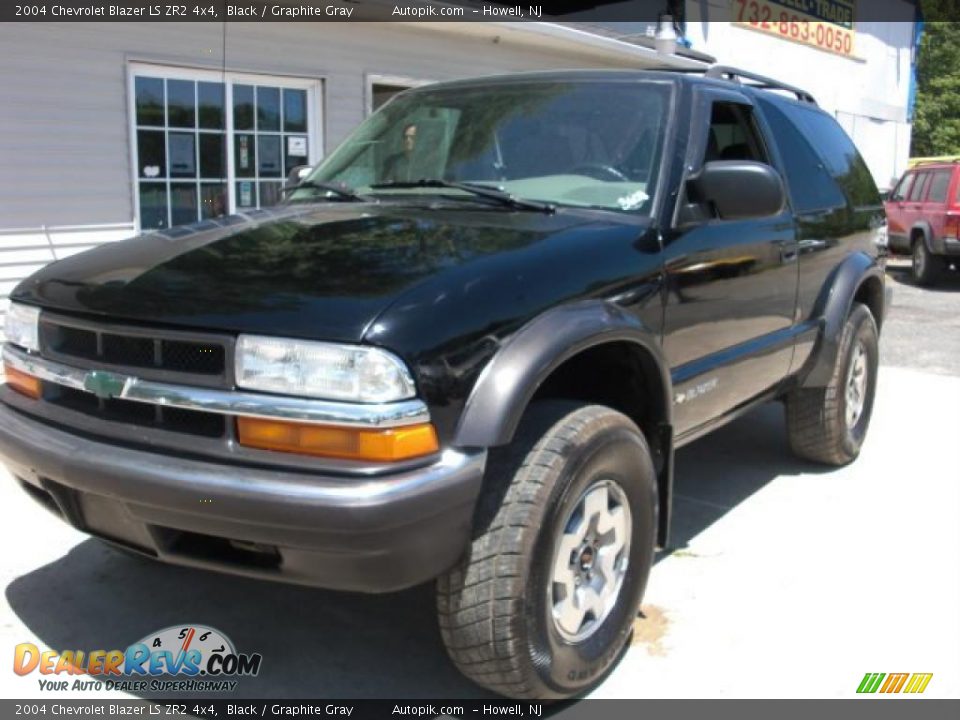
(22, 326)
(352, 373)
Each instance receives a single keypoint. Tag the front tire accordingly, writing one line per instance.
(544, 600)
(828, 425)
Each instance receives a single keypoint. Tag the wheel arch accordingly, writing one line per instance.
(580, 351)
(859, 278)
(925, 233)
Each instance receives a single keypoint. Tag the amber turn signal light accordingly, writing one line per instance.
(21, 382)
(387, 445)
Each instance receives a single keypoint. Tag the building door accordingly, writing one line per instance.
(207, 143)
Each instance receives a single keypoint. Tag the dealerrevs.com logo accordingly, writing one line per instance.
(202, 658)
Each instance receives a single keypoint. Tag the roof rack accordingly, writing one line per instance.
(725, 72)
(947, 160)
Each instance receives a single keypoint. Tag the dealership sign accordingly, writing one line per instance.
(824, 24)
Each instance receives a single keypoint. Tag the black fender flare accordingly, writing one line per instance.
(833, 306)
(508, 382)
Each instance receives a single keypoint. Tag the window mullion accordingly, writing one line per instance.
(228, 126)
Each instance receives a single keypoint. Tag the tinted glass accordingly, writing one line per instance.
(183, 155)
(151, 154)
(919, 188)
(939, 185)
(295, 110)
(593, 144)
(243, 107)
(811, 186)
(210, 97)
(270, 193)
(213, 200)
(245, 155)
(149, 100)
(153, 205)
(181, 104)
(268, 108)
(269, 153)
(837, 151)
(295, 152)
(212, 155)
(183, 203)
(246, 194)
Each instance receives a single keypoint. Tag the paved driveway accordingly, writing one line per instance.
(784, 580)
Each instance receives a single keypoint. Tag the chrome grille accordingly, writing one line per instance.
(183, 358)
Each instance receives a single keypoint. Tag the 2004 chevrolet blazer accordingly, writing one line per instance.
(465, 348)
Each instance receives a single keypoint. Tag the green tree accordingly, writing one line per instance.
(936, 121)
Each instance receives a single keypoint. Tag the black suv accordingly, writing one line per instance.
(465, 348)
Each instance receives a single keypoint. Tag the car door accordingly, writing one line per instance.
(933, 211)
(730, 284)
(897, 228)
(913, 206)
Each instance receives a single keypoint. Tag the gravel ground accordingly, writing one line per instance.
(922, 330)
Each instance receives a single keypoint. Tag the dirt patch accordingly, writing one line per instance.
(649, 629)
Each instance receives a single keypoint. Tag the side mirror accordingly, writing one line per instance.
(885, 195)
(735, 190)
(296, 176)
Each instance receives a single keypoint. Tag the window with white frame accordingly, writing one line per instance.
(207, 144)
(381, 88)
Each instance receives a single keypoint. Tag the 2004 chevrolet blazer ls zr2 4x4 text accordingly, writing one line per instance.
(465, 348)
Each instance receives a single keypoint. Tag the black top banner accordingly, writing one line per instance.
(842, 12)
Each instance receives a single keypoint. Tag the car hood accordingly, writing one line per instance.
(323, 272)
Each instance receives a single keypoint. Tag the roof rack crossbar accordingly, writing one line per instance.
(732, 73)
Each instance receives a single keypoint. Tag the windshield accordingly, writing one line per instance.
(592, 144)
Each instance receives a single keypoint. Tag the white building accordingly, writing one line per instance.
(107, 129)
(868, 91)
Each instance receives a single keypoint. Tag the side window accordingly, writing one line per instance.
(733, 134)
(837, 152)
(919, 189)
(812, 187)
(903, 187)
(939, 186)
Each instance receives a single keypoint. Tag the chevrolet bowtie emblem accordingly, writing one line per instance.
(104, 385)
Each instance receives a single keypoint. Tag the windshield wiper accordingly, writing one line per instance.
(484, 191)
(341, 191)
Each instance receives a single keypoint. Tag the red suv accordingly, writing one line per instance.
(923, 218)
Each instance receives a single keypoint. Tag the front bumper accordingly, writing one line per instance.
(370, 534)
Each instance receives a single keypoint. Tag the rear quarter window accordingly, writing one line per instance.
(834, 148)
(812, 187)
(939, 186)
